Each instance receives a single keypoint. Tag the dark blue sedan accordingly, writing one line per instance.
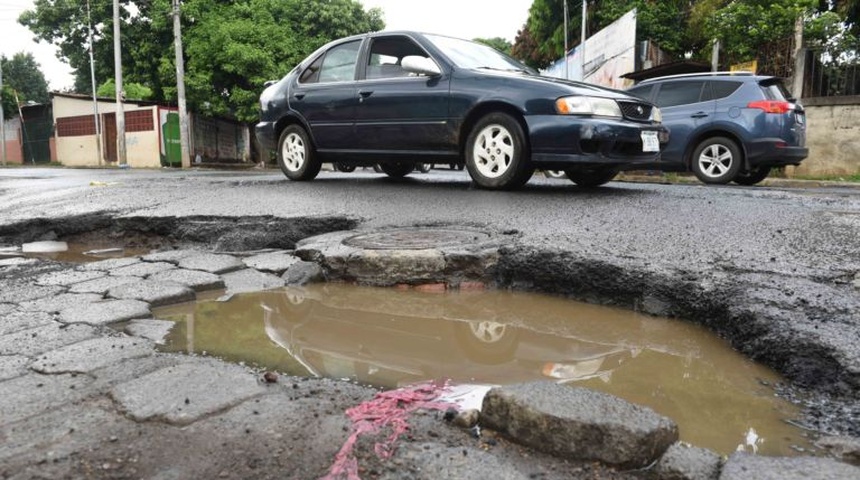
(398, 99)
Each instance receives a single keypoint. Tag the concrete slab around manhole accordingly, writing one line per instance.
(412, 255)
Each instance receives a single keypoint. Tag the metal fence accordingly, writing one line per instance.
(829, 79)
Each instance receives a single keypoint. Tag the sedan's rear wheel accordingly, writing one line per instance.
(296, 155)
(397, 170)
(591, 177)
(497, 155)
(717, 160)
(753, 176)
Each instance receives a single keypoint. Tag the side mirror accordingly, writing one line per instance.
(420, 65)
(269, 83)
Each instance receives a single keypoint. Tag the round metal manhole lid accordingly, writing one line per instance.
(417, 239)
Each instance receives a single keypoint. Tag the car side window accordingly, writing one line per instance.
(386, 55)
(312, 73)
(338, 64)
(644, 92)
(679, 93)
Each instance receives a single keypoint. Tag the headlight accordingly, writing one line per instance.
(656, 115)
(605, 107)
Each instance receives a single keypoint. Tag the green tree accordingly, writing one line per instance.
(541, 41)
(21, 74)
(744, 25)
(133, 91)
(498, 43)
(231, 47)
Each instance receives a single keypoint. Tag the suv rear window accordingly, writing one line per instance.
(774, 90)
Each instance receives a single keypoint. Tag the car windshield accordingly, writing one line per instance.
(466, 54)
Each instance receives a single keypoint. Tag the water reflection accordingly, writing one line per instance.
(387, 338)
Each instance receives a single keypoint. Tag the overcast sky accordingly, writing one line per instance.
(458, 18)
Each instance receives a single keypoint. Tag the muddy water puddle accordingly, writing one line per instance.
(388, 338)
(71, 252)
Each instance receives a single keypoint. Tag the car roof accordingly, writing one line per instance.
(737, 75)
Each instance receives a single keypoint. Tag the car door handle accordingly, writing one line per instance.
(299, 95)
(699, 115)
(365, 93)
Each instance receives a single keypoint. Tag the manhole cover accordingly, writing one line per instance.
(416, 239)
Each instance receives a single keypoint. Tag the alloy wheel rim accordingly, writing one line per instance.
(715, 160)
(493, 151)
(293, 152)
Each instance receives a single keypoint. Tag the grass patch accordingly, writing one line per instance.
(855, 178)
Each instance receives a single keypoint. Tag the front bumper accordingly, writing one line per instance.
(265, 132)
(561, 140)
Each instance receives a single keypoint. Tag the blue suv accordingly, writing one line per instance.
(727, 127)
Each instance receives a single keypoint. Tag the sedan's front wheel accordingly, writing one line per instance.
(753, 176)
(497, 155)
(717, 160)
(296, 155)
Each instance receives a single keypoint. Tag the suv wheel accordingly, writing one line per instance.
(753, 176)
(717, 160)
(590, 178)
(397, 170)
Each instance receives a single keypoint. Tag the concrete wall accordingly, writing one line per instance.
(142, 148)
(833, 137)
(13, 141)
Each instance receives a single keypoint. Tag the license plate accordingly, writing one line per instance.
(650, 143)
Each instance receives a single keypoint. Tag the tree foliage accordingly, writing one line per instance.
(21, 75)
(131, 90)
(681, 26)
(231, 47)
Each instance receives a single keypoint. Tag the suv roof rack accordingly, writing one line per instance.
(739, 73)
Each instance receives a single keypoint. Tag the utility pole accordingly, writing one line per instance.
(715, 56)
(799, 60)
(566, 48)
(96, 120)
(582, 39)
(2, 113)
(122, 157)
(180, 87)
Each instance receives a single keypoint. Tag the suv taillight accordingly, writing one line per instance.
(771, 106)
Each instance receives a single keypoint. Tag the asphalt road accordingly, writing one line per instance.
(790, 230)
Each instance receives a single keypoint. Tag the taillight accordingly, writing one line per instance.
(771, 106)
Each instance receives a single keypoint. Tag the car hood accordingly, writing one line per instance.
(571, 86)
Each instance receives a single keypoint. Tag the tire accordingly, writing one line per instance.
(343, 167)
(497, 155)
(717, 160)
(296, 155)
(424, 167)
(591, 177)
(397, 170)
(753, 176)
